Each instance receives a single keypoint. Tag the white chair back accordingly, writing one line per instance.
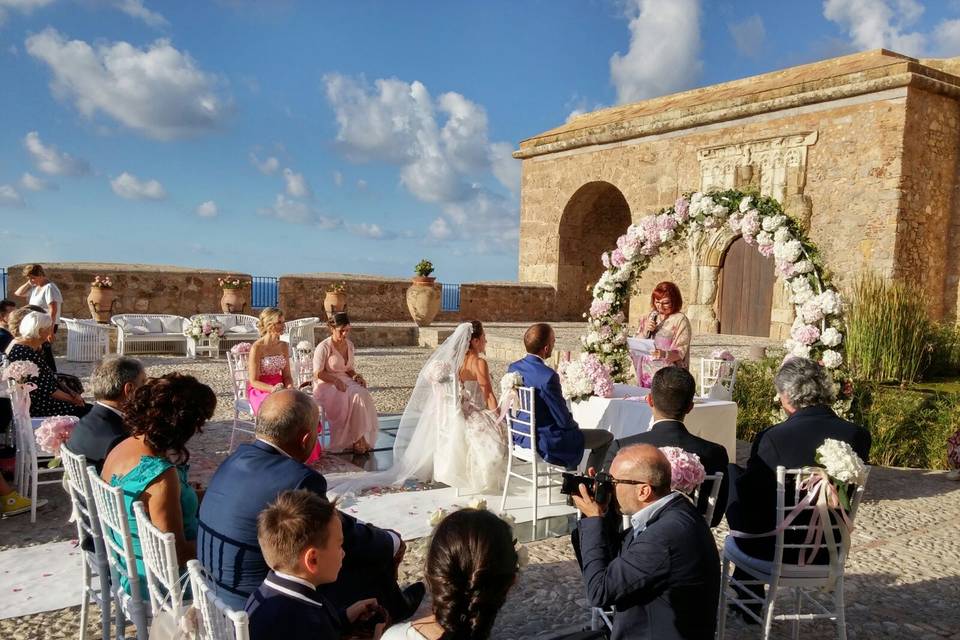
(300, 330)
(118, 541)
(217, 620)
(717, 377)
(301, 367)
(159, 550)
(239, 375)
(711, 485)
(27, 471)
(522, 426)
(87, 340)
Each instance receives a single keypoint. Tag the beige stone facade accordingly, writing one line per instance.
(861, 149)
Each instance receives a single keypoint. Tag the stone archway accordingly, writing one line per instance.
(594, 217)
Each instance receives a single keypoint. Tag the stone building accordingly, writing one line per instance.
(862, 149)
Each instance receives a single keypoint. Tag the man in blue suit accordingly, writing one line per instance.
(560, 440)
(252, 477)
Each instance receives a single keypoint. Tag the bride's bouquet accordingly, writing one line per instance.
(585, 377)
(842, 464)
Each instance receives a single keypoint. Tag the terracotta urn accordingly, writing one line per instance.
(334, 302)
(100, 302)
(233, 301)
(423, 300)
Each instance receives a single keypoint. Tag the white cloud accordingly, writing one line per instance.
(21, 6)
(664, 50)
(51, 160)
(33, 183)
(267, 167)
(157, 91)
(947, 38)
(133, 188)
(874, 24)
(9, 196)
(748, 35)
(288, 210)
(297, 185)
(367, 230)
(440, 145)
(439, 229)
(136, 9)
(338, 178)
(362, 184)
(207, 209)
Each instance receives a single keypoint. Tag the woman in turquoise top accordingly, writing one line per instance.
(151, 465)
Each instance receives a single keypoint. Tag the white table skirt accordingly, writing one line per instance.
(713, 420)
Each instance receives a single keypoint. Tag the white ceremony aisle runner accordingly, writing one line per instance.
(40, 578)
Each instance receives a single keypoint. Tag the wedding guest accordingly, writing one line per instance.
(49, 398)
(663, 574)
(14, 320)
(670, 331)
(560, 440)
(301, 537)
(112, 383)
(269, 361)
(40, 292)
(342, 392)
(252, 477)
(151, 465)
(6, 308)
(12, 503)
(471, 565)
(671, 398)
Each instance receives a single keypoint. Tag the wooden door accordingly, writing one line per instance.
(746, 291)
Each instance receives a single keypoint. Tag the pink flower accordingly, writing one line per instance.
(240, 348)
(599, 308)
(686, 471)
(617, 258)
(605, 259)
(766, 250)
(53, 432)
(805, 334)
(682, 209)
(21, 371)
(722, 354)
(750, 224)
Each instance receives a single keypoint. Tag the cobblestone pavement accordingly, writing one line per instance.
(903, 575)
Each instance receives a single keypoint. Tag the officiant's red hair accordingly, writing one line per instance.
(669, 290)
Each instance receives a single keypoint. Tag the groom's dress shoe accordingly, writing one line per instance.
(413, 595)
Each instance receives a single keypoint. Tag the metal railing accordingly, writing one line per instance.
(450, 297)
(3, 282)
(265, 292)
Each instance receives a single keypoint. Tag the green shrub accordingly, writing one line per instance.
(755, 395)
(888, 332)
(944, 352)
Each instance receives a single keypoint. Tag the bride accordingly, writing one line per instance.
(449, 431)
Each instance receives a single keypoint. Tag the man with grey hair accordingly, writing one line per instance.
(806, 394)
(252, 477)
(112, 382)
(663, 573)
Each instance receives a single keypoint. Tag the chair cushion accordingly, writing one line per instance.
(240, 329)
(153, 325)
(765, 567)
(138, 329)
(172, 325)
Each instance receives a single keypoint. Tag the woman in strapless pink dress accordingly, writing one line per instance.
(342, 392)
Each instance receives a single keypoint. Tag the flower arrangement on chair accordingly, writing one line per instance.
(686, 471)
(52, 433)
(102, 282)
(585, 377)
(241, 348)
(21, 372)
(842, 466)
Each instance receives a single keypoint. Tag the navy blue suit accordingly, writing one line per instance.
(665, 581)
(96, 434)
(252, 477)
(559, 440)
(282, 608)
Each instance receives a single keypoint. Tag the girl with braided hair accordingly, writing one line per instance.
(471, 565)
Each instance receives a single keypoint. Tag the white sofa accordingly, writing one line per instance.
(149, 329)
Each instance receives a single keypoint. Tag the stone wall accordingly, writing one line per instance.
(504, 302)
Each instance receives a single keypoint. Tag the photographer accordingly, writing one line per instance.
(662, 574)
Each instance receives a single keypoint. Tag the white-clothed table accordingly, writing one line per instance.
(628, 413)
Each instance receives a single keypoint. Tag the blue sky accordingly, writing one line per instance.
(282, 137)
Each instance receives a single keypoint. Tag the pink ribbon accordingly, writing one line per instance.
(506, 404)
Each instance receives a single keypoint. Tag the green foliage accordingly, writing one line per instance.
(755, 395)
(945, 352)
(909, 427)
(888, 331)
(424, 268)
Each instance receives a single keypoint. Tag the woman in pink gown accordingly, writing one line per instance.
(342, 392)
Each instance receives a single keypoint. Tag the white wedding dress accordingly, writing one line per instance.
(446, 432)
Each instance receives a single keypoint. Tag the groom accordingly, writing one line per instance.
(560, 440)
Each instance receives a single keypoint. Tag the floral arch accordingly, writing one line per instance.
(817, 332)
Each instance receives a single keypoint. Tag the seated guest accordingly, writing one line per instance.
(663, 574)
(112, 382)
(671, 398)
(269, 361)
(670, 331)
(342, 392)
(11, 502)
(151, 465)
(806, 393)
(471, 565)
(301, 536)
(49, 398)
(6, 308)
(14, 320)
(252, 477)
(42, 293)
(560, 440)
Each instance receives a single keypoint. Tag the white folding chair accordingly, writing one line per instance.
(712, 481)
(301, 329)
(87, 340)
(301, 368)
(237, 364)
(717, 378)
(217, 620)
(539, 468)
(115, 526)
(776, 575)
(28, 470)
(95, 564)
(159, 550)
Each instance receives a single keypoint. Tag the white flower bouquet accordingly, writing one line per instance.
(510, 381)
(204, 327)
(843, 465)
(585, 377)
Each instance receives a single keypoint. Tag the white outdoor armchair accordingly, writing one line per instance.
(87, 340)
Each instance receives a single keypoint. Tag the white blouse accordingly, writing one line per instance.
(403, 631)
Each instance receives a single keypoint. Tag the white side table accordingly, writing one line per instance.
(209, 346)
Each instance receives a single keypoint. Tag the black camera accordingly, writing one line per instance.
(599, 487)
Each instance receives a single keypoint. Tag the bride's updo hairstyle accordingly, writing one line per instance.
(268, 317)
(339, 319)
(471, 565)
(477, 330)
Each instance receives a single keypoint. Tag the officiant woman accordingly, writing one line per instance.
(670, 331)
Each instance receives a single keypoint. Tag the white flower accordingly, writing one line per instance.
(719, 210)
(592, 338)
(478, 503)
(510, 381)
(830, 302)
(523, 556)
(745, 204)
(802, 266)
(734, 222)
(831, 337)
(764, 238)
(800, 350)
(840, 461)
(609, 296)
(811, 311)
(788, 251)
(304, 345)
(508, 518)
(437, 517)
(782, 235)
(831, 359)
(772, 223)
(709, 222)
(666, 235)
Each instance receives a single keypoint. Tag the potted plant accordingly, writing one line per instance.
(423, 296)
(234, 299)
(101, 299)
(336, 299)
